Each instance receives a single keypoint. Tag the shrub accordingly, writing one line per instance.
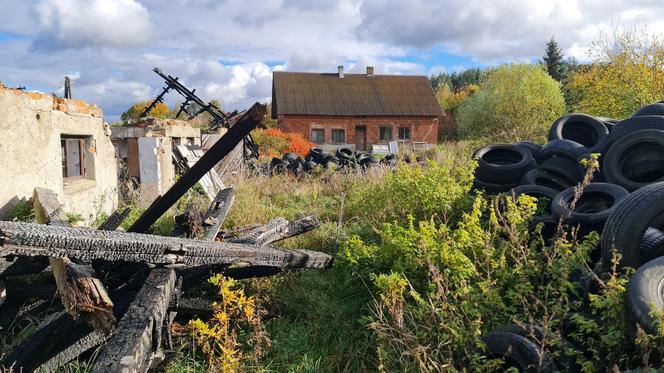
(514, 102)
(273, 142)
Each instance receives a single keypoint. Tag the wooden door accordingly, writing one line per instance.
(361, 138)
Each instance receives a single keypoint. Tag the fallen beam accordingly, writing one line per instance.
(138, 335)
(28, 239)
(278, 229)
(114, 221)
(216, 214)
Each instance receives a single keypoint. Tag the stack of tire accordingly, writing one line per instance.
(343, 159)
(624, 202)
(631, 157)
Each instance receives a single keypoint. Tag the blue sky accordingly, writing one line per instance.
(228, 49)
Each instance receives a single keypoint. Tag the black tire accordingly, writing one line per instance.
(594, 206)
(368, 162)
(644, 295)
(503, 163)
(565, 148)
(608, 122)
(491, 188)
(517, 351)
(628, 223)
(571, 169)
(629, 125)
(537, 191)
(317, 154)
(652, 109)
(534, 149)
(344, 153)
(547, 179)
(533, 332)
(549, 227)
(309, 165)
(652, 244)
(289, 157)
(636, 160)
(583, 129)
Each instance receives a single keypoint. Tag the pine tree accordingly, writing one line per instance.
(555, 61)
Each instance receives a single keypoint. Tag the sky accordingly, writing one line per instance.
(228, 49)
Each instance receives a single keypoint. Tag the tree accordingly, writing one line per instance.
(161, 110)
(627, 72)
(450, 101)
(457, 81)
(554, 60)
(514, 102)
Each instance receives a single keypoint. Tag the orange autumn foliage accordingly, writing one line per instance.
(274, 142)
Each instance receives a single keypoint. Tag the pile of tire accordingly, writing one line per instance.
(631, 157)
(342, 159)
(624, 202)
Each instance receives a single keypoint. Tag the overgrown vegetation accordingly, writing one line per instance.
(514, 102)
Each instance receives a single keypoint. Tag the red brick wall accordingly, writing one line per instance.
(423, 129)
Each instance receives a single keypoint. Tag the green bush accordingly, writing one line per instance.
(514, 102)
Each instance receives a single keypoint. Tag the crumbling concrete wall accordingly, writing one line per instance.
(31, 126)
(146, 147)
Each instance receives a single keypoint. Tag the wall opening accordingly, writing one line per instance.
(77, 157)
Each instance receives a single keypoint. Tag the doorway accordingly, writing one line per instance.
(361, 138)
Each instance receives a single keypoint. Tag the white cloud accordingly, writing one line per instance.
(88, 23)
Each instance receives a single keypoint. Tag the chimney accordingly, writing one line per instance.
(370, 71)
(340, 69)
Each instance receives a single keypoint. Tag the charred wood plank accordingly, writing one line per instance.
(216, 214)
(28, 239)
(114, 221)
(277, 230)
(81, 293)
(138, 335)
(217, 152)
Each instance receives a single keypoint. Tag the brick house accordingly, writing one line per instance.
(356, 110)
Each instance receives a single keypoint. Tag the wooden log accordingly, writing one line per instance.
(28, 239)
(81, 293)
(138, 335)
(218, 151)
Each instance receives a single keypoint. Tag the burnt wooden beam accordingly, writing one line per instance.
(114, 221)
(81, 293)
(28, 239)
(218, 151)
(216, 214)
(278, 229)
(138, 335)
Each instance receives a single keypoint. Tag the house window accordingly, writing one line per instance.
(404, 133)
(318, 135)
(73, 156)
(385, 133)
(338, 136)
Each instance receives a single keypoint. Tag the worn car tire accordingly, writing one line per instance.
(583, 129)
(547, 179)
(344, 153)
(571, 169)
(652, 244)
(518, 351)
(534, 149)
(652, 109)
(537, 191)
(594, 206)
(636, 160)
(628, 223)
(491, 188)
(565, 148)
(644, 295)
(549, 227)
(629, 125)
(503, 163)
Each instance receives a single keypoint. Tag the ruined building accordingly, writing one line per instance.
(56, 143)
